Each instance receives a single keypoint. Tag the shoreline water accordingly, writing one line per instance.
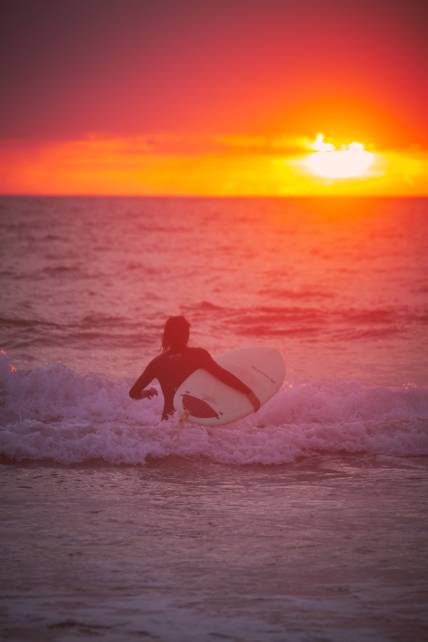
(183, 550)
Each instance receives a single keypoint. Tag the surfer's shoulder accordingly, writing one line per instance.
(201, 353)
(156, 360)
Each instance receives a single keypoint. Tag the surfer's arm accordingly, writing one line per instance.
(137, 391)
(229, 379)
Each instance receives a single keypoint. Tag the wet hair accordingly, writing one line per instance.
(175, 333)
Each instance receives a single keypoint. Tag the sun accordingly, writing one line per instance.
(350, 161)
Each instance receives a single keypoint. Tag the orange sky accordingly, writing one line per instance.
(221, 98)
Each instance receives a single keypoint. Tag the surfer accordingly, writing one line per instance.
(177, 362)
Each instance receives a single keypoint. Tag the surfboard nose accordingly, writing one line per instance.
(198, 407)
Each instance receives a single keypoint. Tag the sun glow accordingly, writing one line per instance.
(210, 165)
(350, 161)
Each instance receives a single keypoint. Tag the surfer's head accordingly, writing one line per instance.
(175, 334)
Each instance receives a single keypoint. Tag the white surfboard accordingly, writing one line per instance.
(207, 400)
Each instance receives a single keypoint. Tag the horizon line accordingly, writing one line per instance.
(218, 196)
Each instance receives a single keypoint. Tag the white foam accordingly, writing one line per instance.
(57, 414)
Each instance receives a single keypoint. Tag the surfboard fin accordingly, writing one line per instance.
(198, 407)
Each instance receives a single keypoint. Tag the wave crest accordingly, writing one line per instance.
(54, 413)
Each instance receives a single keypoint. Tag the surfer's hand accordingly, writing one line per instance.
(145, 394)
(254, 400)
(149, 393)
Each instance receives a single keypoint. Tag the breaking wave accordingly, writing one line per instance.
(57, 414)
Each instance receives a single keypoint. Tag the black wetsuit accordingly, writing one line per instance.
(172, 368)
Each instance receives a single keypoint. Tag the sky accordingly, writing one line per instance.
(223, 98)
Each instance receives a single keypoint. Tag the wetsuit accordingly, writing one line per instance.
(172, 368)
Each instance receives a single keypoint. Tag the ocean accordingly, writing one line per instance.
(306, 521)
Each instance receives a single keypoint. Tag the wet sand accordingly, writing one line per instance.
(323, 549)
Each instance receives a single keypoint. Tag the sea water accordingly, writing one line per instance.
(304, 521)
